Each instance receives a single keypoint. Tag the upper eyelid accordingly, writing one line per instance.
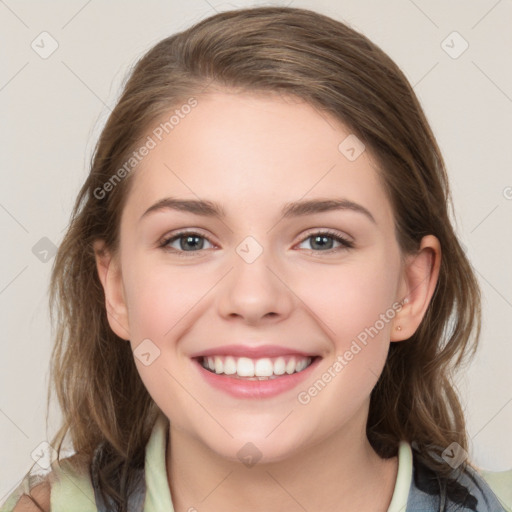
(328, 231)
(167, 238)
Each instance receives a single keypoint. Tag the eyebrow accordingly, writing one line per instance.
(294, 209)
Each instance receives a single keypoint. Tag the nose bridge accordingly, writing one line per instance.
(253, 290)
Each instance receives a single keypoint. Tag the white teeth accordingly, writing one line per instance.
(301, 365)
(245, 367)
(279, 366)
(229, 365)
(261, 369)
(290, 367)
(219, 365)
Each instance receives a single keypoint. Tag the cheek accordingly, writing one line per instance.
(351, 298)
(159, 296)
(161, 300)
(351, 311)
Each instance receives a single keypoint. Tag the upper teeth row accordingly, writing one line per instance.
(246, 367)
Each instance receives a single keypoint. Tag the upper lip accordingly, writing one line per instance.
(253, 352)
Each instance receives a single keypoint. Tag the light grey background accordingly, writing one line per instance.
(53, 109)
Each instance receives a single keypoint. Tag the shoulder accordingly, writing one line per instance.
(501, 484)
(37, 500)
(29, 496)
(480, 493)
(464, 490)
(66, 486)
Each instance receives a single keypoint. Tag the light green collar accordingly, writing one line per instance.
(72, 490)
(403, 478)
(158, 494)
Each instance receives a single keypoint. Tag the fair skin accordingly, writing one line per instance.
(252, 154)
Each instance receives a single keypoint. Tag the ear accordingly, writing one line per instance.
(109, 272)
(419, 279)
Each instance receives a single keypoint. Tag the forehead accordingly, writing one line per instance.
(255, 152)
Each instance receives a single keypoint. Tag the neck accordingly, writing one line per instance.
(341, 472)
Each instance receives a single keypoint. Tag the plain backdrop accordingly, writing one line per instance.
(52, 108)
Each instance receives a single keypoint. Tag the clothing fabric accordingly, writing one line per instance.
(417, 489)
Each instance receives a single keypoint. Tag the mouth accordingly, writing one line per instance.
(245, 368)
(245, 377)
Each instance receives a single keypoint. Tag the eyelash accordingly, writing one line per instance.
(345, 244)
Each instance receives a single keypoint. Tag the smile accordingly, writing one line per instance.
(255, 378)
(255, 369)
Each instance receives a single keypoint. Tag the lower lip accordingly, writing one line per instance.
(241, 388)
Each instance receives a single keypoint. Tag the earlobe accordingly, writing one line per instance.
(109, 273)
(419, 281)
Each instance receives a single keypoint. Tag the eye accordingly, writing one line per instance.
(190, 241)
(323, 241)
(187, 241)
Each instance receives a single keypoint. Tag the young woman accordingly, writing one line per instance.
(261, 299)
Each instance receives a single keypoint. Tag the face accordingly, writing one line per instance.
(266, 285)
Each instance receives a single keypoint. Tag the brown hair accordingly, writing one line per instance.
(302, 54)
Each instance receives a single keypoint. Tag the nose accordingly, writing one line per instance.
(255, 292)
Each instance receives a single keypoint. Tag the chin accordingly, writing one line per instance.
(257, 449)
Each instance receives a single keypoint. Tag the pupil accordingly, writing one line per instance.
(323, 243)
(193, 240)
